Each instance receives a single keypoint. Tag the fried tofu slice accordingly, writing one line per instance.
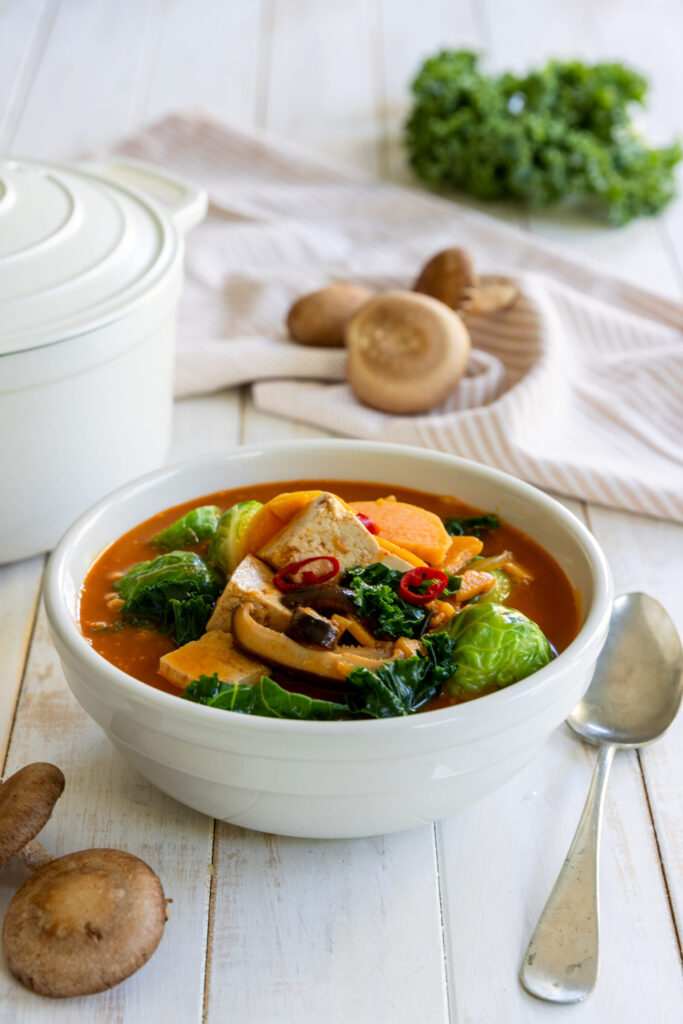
(325, 526)
(213, 652)
(251, 581)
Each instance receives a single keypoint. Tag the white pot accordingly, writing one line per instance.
(91, 268)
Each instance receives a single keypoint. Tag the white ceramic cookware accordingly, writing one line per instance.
(91, 268)
(325, 779)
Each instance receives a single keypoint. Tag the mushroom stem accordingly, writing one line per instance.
(34, 855)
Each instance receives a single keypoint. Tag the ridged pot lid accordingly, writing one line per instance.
(75, 251)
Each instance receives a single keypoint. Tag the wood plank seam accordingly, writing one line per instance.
(662, 866)
(30, 632)
(443, 923)
(210, 919)
(147, 62)
(27, 73)
(265, 49)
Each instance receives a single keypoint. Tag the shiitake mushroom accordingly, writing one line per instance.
(320, 317)
(406, 352)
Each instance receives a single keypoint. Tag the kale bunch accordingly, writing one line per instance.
(561, 132)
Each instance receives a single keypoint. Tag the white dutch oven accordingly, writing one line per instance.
(91, 268)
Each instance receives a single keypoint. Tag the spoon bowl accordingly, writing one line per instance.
(637, 686)
(633, 697)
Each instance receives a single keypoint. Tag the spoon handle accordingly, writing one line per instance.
(561, 961)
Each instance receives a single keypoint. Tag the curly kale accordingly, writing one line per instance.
(561, 132)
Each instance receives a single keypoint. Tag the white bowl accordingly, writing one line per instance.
(329, 779)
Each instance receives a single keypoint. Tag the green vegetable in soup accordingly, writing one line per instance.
(500, 590)
(562, 131)
(403, 686)
(493, 646)
(472, 526)
(176, 591)
(197, 525)
(223, 547)
(265, 698)
(376, 597)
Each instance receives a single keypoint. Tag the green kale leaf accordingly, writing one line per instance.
(177, 591)
(376, 597)
(196, 525)
(472, 526)
(403, 686)
(560, 132)
(265, 698)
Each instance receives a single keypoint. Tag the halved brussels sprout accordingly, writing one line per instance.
(499, 591)
(494, 646)
(196, 525)
(231, 526)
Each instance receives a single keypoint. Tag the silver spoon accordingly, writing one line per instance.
(633, 697)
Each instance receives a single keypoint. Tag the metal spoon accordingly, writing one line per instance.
(633, 697)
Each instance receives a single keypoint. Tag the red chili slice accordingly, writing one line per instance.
(306, 579)
(369, 525)
(415, 578)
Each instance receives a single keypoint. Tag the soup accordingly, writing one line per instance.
(327, 599)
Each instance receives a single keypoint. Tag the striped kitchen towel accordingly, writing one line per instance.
(577, 388)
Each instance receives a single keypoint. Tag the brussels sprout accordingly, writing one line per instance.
(229, 532)
(177, 590)
(197, 525)
(494, 646)
(499, 591)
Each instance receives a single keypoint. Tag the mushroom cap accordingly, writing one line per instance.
(492, 295)
(26, 802)
(83, 923)
(406, 352)
(449, 277)
(319, 318)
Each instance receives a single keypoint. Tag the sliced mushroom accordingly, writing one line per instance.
(308, 627)
(450, 277)
(83, 923)
(320, 317)
(406, 352)
(27, 799)
(281, 651)
(326, 598)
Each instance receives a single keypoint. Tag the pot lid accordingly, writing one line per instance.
(76, 249)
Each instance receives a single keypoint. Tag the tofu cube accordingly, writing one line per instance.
(323, 527)
(213, 652)
(251, 581)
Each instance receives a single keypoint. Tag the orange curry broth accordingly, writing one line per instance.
(549, 599)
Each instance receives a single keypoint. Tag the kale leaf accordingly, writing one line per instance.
(472, 526)
(265, 698)
(196, 525)
(177, 591)
(562, 131)
(401, 687)
(376, 597)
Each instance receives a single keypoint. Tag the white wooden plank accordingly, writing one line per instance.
(645, 554)
(500, 859)
(106, 803)
(207, 424)
(84, 95)
(19, 591)
(405, 42)
(636, 251)
(321, 78)
(261, 426)
(25, 28)
(208, 58)
(334, 931)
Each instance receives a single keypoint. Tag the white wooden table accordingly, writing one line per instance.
(429, 925)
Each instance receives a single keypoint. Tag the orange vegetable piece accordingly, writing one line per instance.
(409, 526)
(272, 518)
(394, 549)
(474, 583)
(461, 550)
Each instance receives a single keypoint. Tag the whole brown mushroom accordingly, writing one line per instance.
(320, 317)
(83, 922)
(406, 352)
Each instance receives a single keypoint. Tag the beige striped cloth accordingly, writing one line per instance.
(577, 388)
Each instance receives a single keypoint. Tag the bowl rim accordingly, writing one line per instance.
(64, 624)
